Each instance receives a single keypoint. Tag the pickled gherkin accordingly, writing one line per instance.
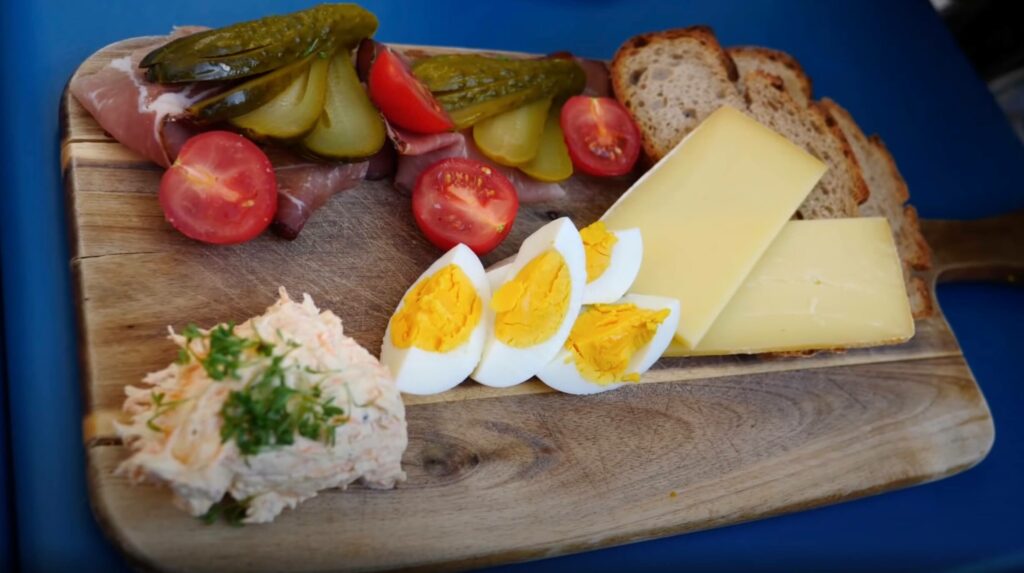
(250, 94)
(349, 126)
(294, 111)
(552, 162)
(513, 137)
(472, 87)
(258, 46)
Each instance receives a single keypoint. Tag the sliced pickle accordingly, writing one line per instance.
(552, 162)
(257, 46)
(349, 126)
(294, 111)
(249, 95)
(513, 137)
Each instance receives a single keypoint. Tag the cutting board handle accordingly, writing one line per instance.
(989, 249)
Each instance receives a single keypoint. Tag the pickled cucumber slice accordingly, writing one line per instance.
(249, 95)
(258, 46)
(552, 162)
(513, 137)
(472, 87)
(294, 111)
(349, 126)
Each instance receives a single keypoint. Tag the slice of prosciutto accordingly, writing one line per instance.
(146, 117)
(303, 186)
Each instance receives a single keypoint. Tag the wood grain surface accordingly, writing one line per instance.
(494, 475)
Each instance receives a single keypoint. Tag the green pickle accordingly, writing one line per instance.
(472, 87)
(349, 126)
(552, 162)
(513, 137)
(294, 111)
(250, 94)
(258, 46)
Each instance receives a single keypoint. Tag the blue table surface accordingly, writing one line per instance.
(893, 64)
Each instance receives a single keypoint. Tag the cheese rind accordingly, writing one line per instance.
(708, 211)
(823, 284)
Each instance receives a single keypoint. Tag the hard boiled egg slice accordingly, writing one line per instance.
(531, 313)
(436, 336)
(613, 344)
(496, 274)
(613, 261)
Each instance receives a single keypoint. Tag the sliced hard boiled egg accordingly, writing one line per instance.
(436, 336)
(496, 273)
(613, 261)
(613, 344)
(531, 313)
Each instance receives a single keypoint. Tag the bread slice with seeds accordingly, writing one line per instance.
(670, 81)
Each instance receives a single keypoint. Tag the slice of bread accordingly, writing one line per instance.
(749, 59)
(888, 199)
(670, 81)
(842, 187)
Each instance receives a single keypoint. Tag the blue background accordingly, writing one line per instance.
(892, 64)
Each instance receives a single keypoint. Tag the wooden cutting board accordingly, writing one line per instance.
(498, 475)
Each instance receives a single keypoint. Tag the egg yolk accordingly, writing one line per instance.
(530, 307)
(605, 338)
(598, 243)
(439, 313)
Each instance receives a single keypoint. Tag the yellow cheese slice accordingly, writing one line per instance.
(827, 283)
(708, 210)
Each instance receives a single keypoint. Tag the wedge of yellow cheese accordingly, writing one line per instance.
(708, 211)
(827, 283)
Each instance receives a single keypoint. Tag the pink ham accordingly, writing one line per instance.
(303, 186)
(144, 116)
(417, 152)
(599, 83)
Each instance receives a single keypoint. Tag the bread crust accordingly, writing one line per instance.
(631, 48)
(777, 56)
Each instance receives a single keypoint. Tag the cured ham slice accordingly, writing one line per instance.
(303, 186)
(144, 116)
(430, 149)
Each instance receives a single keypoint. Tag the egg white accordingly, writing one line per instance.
(623, 266)
(502, 365)
(562, 375)
(497, 273)
(419, 371)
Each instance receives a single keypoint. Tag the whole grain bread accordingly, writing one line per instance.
(670, 81)
(889, 195)
(842, 187)
(888, 189)
(749, 59)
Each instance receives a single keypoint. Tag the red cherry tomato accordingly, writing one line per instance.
(402, 98)
(221, 189)
(459, 200)
(601, 137)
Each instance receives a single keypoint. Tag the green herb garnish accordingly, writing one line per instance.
(266, 412)
(229, 509)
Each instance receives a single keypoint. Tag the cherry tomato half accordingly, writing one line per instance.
(402, 98)
(601, 137)
(458, 200)
(221, 189)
